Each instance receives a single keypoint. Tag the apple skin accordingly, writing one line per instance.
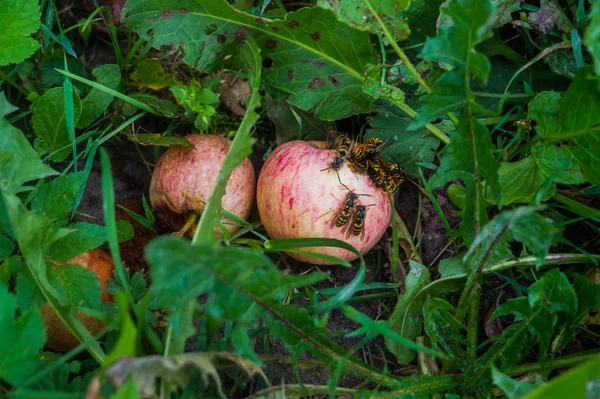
(184, 178)
(60, 338)
(297, 199)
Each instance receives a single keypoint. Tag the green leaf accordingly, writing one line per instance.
(86, 236)
(18, 20)
(520, 181)
(6, 247)
(523, 224)
(469, 157)
(445, 331)
(406, 318)
(581, 382)
(79, 285)
(292, 123)
(544, 110)
(55, 199)
(126, 343)
(592, 35)
(552, 158)
(97, 101)
(22, 339)
(356, 13)
(151, 74)
(241, 147)
(19, 162)
(157, 139)
(125, 230)
(409, 148)
(28, 294)
(455, 44)
(588, 293)
(513, 389)
(554, 291)
(49, 122)
(316, 60)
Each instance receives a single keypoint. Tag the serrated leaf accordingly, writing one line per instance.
(554, 290)
(18, 20)
(409, 148)
(27, 292)
(79, 285)
(455, 44)
(469, 157)
(551, 158)
(309, 53)
(520, 182)
(55, 199)
(444, 330)
(406, 318)
(86, 236)
(522, 224)
(357, 14)
(97, 101)
(22, 339)
(19, 162)
(125, 230)
(151, 74)
(49, 122)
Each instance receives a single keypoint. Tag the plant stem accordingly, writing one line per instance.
(13, 83)
(577, 207)
(561, 362)
(441, 136)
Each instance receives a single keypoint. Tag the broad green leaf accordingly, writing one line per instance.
(357, 14)
(409, 147)
(588, 293)
(554, 290)
(22, 339)
(125, 230)
(96, 102)
(544, 109)
(406, 318)
(19, 162)
(551, 158)
(49, 122)
(592, 35)
(86, 236)
(310, 58)
(580, 108)
(18, 20)
(55, 199)
(241, 147)
(151, 74)
(523, 224)
(520, 182)
(79, 285)
(581, 382)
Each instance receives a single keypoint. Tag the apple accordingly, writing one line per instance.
(298, 197)
(184, 178)
(60, 338)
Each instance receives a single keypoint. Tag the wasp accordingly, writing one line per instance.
(343, 215)
(343, 146)
(367, 153)
(357, 225)
(394, 177)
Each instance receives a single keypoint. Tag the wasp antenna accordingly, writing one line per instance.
(340, 180)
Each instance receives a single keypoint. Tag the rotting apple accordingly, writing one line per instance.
(298, 196)
(60, 338)
(184, 178)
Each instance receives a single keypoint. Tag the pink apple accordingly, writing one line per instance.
(184, 178)
(298, 199)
